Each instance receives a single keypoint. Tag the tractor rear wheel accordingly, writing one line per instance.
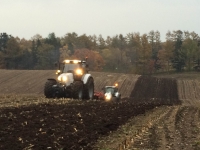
(77, 90)
(89, 89)
(48, 89)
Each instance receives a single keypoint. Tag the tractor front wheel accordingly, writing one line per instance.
(77, 90)
(48, 89)
(89, 89)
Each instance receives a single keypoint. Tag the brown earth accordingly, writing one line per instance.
(163, 128)
(156, 113)
(32, 81)
(177, 128)
(68, 125)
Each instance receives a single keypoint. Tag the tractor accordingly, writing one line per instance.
(73, 81)
(109, 93)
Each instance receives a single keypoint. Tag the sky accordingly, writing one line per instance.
(26, 18)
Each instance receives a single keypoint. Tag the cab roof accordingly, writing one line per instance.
(110, 87)
(67, 61)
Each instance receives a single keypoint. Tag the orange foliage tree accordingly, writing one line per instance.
(95, 60)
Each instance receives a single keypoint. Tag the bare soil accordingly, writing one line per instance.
(67, 124)
(155, 113)
(33, 81)
(164, 127)
(178, 128)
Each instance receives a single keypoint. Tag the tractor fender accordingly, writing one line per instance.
(85, 78)
(117, 94)
(52, 79)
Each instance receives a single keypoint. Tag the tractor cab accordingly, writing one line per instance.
(110, 89)
(78, 67)
(111, 92)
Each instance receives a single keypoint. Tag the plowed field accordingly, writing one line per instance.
(155, 113)
(32, 81)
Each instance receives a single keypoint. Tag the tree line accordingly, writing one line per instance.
(132, 53)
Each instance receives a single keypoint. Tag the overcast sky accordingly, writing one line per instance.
(26, 18)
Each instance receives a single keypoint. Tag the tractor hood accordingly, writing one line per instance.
(66, 78)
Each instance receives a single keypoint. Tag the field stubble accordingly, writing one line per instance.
(140, 121)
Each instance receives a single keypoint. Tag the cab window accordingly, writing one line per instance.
(70, 67)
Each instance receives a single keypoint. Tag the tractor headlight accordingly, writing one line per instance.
(58, 72)
(79, 72)
(108, 96)
(59, 78)
(62, 78)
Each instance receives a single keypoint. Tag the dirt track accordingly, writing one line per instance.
(178, 128)
(140, 122)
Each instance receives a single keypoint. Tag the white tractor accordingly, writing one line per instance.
(73, 81)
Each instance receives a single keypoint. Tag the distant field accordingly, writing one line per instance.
(188, 86)
(181, 76)
(32, 81)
